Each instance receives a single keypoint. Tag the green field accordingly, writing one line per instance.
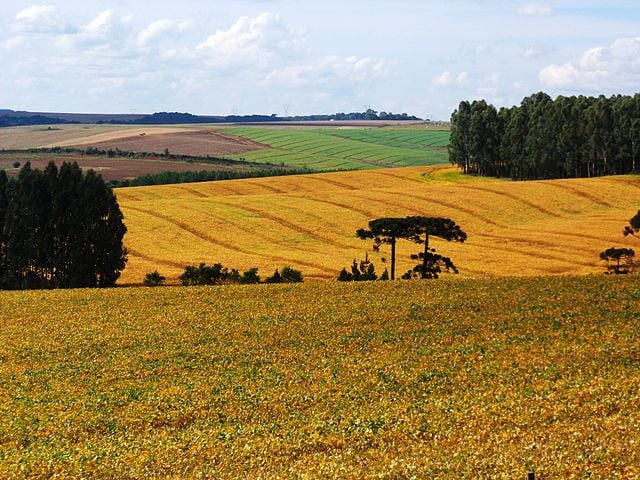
(352, 148)
(436, 379)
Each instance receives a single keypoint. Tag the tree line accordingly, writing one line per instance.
(59, 228)
(569, 137)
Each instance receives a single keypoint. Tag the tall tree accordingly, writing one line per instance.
(459, 153)
(422, 228)
(386, 230)
(61, 229)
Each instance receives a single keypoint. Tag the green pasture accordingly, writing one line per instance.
(357, 148)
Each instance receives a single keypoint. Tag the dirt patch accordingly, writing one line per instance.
(199, 143)
(118, 168)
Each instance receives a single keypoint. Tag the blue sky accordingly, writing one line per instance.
(300, 57)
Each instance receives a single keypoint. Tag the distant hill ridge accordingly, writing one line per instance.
(11, 118)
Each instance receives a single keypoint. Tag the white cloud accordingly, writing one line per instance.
(615, 66)
(261, 39)
(329, 72)
(40, 19)
(161, 29)
(531, 52)
(535, 9)
(107, 31)
(446, 78)
(462, 77)
(443, 80)
(13, 42)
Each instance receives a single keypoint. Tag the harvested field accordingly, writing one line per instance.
(197, 143)
(116, 168)
(309, 222)
(67, 135)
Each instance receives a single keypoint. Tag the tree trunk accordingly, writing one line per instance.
(424, 259)
(393, 258)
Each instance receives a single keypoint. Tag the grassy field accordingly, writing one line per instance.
(309, 222)
(352, 148)
(318, 148)
(470, 379)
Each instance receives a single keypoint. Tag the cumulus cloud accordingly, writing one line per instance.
(161, 29)
(334, 72)
(252, 40)
(535, 10)
(617, 66)
(446, 78)
(40, 19)
(443, 80)
(106, 29)
(13, 42)
(531, 52)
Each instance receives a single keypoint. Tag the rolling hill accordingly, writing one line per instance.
(515, 228)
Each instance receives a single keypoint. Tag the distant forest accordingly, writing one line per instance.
(568, 137)
(10, 118)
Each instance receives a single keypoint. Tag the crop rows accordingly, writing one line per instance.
(357, 149)
(308, 222)
(471, 379)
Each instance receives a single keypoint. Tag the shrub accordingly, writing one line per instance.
(208, 275)
(250, 277)
(154, 279)
(288, 275)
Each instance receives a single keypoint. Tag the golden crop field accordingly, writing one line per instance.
(488, 378)
(515, 228)
(38, 136)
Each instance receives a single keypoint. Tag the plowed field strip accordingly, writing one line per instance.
(342, 185)
(367, 213)
(257, 233)
(290, 225)
(535, 254)
(442, 203)
(578, 192)
(169, 263)
(511, 196)
(227, 245)
(192, 191)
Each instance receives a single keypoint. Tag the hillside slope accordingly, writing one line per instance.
(526, 228)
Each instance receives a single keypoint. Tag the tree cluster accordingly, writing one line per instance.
(59, 228)
(416, 229)
(217, 274)
(362, 271)
(569, 137)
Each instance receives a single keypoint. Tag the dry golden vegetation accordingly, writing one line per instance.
(309, 222)
(38, 136)
(468, 379)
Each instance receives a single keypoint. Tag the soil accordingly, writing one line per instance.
(196, 143)
(119, 168)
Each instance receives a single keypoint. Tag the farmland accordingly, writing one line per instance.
(467, 379)
(308, 222)
(120, 167)
(318, 148)
(357, 148)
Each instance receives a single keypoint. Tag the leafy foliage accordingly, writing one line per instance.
(544, 138)
(208, 275)
(417, 229)
(619, 260)
(60, 229)
(431, 263)
(634, 225)
(360, 272)
(288, 275)
(154, 279)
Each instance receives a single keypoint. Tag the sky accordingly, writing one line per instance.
(298, 57)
